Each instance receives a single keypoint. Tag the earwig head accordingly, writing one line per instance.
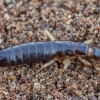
(96, 53)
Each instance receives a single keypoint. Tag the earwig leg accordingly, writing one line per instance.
(51, 37)
(85, 62)
(66, 62)
(46, 65)
(49, 63)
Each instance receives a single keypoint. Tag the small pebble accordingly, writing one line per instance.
(34, 96)
(22, 38)
(7, 87)
(11, 77)
(23, 79)
(4, 92)
(1, 41)
(76, 98)
(74, 85)
(67, 27)
(43, 25)
(91, 89)
(8, 27)
(7, 1)
(11, 73)
(37, 86)
(94, 98)
(31, 78)
(13, 83)
(13, 25)
(6, 16)
(1, 91)
(23, 19)
(20, 93)
(23, 88)
(50, 97)
(30, 33)
(15, 41)
(55, 31)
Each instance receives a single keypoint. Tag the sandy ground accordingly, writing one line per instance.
(25, 21)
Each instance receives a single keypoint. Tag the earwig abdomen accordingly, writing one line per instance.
(18, 54)
(25, 53)
(69, 48)
(47, 50)
(60, 48)
(11, 56)
(32, 51)
(38, 51)
(54, 48)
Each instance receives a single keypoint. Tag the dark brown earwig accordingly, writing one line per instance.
(38, 51)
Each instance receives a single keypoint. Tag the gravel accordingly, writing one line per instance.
(25, 21)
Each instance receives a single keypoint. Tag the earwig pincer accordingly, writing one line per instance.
(38, 51)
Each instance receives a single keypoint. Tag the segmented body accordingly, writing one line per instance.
(38, 51)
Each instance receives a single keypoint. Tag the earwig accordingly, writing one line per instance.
(38, 51)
